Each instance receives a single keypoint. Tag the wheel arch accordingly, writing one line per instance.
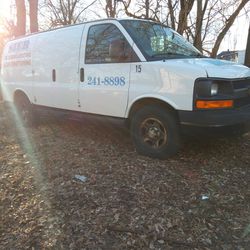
(146, 101)
(18, 93)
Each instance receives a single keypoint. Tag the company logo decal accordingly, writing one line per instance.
(18, 54)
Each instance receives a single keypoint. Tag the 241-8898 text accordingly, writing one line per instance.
(107, 81)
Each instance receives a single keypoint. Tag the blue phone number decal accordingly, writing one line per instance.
(107, 81)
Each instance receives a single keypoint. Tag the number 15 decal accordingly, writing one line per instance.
(138, 68)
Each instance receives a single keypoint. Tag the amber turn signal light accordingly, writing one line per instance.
(214, 104)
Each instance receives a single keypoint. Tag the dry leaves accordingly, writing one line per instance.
(127, 201)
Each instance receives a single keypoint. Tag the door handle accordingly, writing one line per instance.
(82, 74)
(53, 75)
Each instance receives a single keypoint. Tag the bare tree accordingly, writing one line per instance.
(201, 9)
(64, 12)
(33, 9)
(171, 15)
(185, 8)
(110, 8)
(204, 22)
(20, 28)
(209, 25)
(145, 9)
(227, 25)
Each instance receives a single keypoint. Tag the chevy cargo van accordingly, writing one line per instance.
(138, 70)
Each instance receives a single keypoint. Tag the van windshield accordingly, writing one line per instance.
(158, 42)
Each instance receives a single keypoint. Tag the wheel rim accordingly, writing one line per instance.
(153, 133)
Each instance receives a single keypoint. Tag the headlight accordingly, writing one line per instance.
(211, 87)
(214, 89)
(205, 87)
(213, 93)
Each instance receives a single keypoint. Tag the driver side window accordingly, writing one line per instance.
(106, 44)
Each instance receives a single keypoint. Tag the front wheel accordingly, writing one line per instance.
(155, 132)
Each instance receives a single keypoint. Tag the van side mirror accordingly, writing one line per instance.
(117, 50)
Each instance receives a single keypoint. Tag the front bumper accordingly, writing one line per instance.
(215, 118)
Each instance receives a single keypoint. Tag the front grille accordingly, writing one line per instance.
(241, 84)
(241, 102)
(241, 88)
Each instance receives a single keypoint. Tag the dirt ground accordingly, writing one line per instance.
(199, 199)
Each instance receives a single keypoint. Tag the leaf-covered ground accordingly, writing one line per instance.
(199, 199)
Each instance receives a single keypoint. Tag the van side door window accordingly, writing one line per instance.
(106, 44)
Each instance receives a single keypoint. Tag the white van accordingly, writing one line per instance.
(133, 69)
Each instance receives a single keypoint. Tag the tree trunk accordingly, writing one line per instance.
(247, 56)
(33, 15)
(147, 9)
(171, 13)
(20, 28)
(198, 26)
(186, 6)
(110, 8)
(197, 37)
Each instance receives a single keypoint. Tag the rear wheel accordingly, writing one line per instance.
(155, 132)
(24, 110)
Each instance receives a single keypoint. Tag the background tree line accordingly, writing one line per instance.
(203, 22)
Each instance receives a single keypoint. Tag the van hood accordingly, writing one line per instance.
(221, 68)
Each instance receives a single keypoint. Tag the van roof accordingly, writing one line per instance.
(70, 25)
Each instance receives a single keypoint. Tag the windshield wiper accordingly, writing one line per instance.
(166, 54)
(199, 56)
(172, 54)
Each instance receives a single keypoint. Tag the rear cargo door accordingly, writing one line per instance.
(105, 61)
(55, 68)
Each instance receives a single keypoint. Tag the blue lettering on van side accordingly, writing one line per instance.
(107, 81)
(19, 46)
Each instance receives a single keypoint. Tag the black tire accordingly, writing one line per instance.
(25, 111)
(155, 132)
